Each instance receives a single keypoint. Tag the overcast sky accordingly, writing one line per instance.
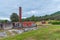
(30, 7)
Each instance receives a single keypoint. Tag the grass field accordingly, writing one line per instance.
(49, 32)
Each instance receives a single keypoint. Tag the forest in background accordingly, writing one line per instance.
(15, 18)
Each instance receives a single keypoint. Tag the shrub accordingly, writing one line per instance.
(55, 23)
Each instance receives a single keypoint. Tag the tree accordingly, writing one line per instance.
(33, 18)
(4, 21)
(14, 17)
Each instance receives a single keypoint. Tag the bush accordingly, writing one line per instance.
(55, 23)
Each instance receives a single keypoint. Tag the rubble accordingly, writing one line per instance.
(3, 34)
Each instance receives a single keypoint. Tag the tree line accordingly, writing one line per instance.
(15, 18)
(54, 16)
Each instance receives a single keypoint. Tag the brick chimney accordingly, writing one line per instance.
(20, 14)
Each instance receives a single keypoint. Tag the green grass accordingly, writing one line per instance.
(52, 32)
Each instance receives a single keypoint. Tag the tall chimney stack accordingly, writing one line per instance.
(20, 14)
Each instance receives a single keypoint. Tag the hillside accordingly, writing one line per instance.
(52, 32)
(56, 15)
(53, 16)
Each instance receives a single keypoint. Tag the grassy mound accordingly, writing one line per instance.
(52, 32)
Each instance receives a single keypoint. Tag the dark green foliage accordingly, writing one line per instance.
(4, 21)
(55, 23)
(14, 17)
